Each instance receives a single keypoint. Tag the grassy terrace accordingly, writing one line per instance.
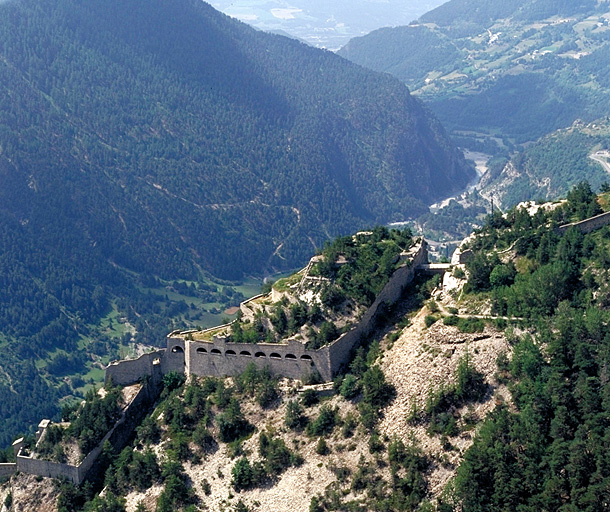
(207, 335)
(346, 278)
(285, 284)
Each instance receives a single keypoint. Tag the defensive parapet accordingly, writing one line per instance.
(219, 357)
(118, 437)
(588, 225)
(130, 371)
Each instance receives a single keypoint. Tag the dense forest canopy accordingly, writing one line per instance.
(161, 126)
(549, 451)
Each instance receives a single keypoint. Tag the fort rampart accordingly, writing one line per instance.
(7, 469)
(130, 371)
(588, 225)
(215, 358)
(290, 359)
(219, 357)
(118, 438)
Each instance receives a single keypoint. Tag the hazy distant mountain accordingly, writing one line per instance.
(512, 68)
(143, 139)
(325, 23)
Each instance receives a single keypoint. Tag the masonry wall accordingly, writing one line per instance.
(340, 351)
(588, 225)
(127, 372)
(47, 468)
(118, 437)
(174, 358)
(219, 358)
(7, 469)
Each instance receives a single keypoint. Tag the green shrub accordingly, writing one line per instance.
(324, 424)
(310, 397)
(451, 320)
(232, 424)
(375, 444)
(245, 475)
(322, 447)
(315, 506)
(350, 387)
(349, 425)
(203, 438)
(469, 386)
(376, 390)
(222, 394)
(430, 319)
(443, 423)
(241, 507)
(173, 380)
(267, 393)
(107, 503)
(176, 493)
(471, 325)
(259, 383)
(295, 418)
(275, 453)
(148, 431)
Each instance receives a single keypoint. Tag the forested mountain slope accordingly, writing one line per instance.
(515, 69)
(153, 139)
(154, 120)
(549, 450)
(491, 395)
(549, 168)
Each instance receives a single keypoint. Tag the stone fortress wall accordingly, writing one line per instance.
(214, 358)
(220, 358)
(121, 373)
(7, 469)
(588, 225)
(118, 437)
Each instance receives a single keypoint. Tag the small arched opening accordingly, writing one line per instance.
(290, 356)
(305, 357)
(202, 350)
(275, 355)
(178, 350)
(245, 353)
(215, 351)
(230, 353)
(260, 354)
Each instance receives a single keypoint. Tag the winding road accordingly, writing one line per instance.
(602, 157)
